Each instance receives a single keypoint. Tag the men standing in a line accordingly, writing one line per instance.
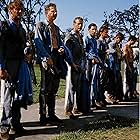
(75, 78)
(13, 63)
(50, 54)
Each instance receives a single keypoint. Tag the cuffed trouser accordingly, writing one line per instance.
(49, 88)
(95, 94)
(97, 84)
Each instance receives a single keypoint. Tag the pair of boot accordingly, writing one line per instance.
(13, 130)
(49, 120)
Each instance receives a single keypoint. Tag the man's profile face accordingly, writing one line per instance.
(16, 13)
(104, 33)
(51, 14)
(93, 30)
(78, 25)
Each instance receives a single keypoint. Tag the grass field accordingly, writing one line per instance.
(109, 128)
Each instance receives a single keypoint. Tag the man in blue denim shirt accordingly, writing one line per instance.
(93, 62)
(50, 55)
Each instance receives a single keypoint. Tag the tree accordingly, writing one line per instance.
(33, 12)
(126, 21)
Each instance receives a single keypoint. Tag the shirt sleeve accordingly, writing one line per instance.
(91, 49)
(39, 43)
(2, 64)
(68, 55)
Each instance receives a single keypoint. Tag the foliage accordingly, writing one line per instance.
(126, 21)
(33, 11)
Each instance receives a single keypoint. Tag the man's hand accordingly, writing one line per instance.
(76, 67)
(47, 63)
(28, 58)
(95, 61)
(3, 74)
(61, 51)
(50, 61)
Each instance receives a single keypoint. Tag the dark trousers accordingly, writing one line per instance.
(129, 82)
(49, 87)
(16, 115)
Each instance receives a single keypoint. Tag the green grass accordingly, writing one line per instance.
(110, 128)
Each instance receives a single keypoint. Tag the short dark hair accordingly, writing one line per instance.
(120, 35)
(79, 18)
(49, 5)
(16, 4)
(102, 28)
(90, 25)
(132, 37)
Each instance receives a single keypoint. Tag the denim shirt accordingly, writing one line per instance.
(90, 45)
(43, 42)
(44, 49)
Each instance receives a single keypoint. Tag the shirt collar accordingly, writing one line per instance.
(73, 32)
(103, 40)
(46, 22)
(12, 23)
(89, 36)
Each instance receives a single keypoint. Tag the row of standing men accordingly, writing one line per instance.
(89, 65)
(93, 69)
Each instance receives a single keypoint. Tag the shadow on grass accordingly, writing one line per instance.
(83, 124)
(96, 120)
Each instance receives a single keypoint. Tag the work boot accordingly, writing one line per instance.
(54, 118)
(4, 136)
(43, 120)
(70, 115)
